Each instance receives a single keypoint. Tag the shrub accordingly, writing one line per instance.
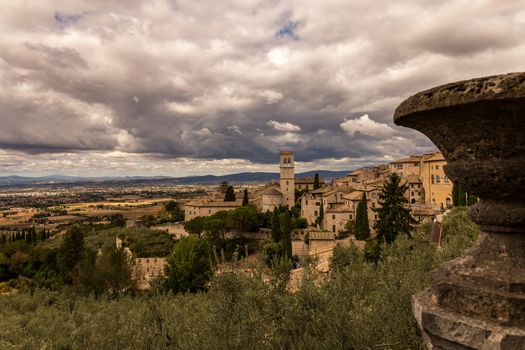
(359, 305)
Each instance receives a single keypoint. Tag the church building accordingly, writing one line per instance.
(274, 195)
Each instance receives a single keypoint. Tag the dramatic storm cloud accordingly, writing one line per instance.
(181, 87)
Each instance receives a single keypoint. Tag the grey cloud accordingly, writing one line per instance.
(203, 80)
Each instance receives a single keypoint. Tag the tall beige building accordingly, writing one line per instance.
(287, 179)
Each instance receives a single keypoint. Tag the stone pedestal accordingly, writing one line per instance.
(478, 300)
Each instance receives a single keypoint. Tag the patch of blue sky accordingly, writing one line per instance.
(288, 30)
(65, 21)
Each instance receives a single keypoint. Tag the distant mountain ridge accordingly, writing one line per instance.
(57, 179)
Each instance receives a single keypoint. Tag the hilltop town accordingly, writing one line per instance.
(324, 211)
(430, 192)
(328, 208)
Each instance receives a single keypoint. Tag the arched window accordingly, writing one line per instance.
(438, 179)
(413, 200)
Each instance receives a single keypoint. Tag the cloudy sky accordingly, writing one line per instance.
(168, 87)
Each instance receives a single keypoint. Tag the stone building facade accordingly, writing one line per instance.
(287, 178)
(207, 207)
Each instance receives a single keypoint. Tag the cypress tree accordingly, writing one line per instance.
(316, 182)
(320, 218)
(230, 194)
(33, 234)
(362, 228)
(276, 226)
(245, 200)
(286, 233)
(393, 217)
(458, 196)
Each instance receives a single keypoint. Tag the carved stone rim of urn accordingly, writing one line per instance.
(479, 126)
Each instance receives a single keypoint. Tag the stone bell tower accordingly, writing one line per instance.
(287, 179)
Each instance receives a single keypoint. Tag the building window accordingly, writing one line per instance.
(432, 178)
(333, 217)
(333, 228)
(316, 213)
(437, 167)
(412, 193)
(375, 217)
(445, 179)
(438, 179)
(350, 216)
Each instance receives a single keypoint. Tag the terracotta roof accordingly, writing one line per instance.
(260, 192)
(374, 182)
(433, 157)
(322, 190)
(410, 159)
(356, 195)
(271, 190)
(344, 189)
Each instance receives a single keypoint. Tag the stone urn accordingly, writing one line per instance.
(477, 301)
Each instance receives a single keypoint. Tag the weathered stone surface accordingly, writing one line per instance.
(478, 301)
(487, 283)
(447, 330)
(497, 87)
(479, 125)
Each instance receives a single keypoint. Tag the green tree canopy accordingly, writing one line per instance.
(175, 211)
(195, 226)
(362, 228)
(393, 217)
(189, 266)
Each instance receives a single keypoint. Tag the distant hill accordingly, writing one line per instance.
(19, 181)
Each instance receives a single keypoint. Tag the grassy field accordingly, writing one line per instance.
(131, 208)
